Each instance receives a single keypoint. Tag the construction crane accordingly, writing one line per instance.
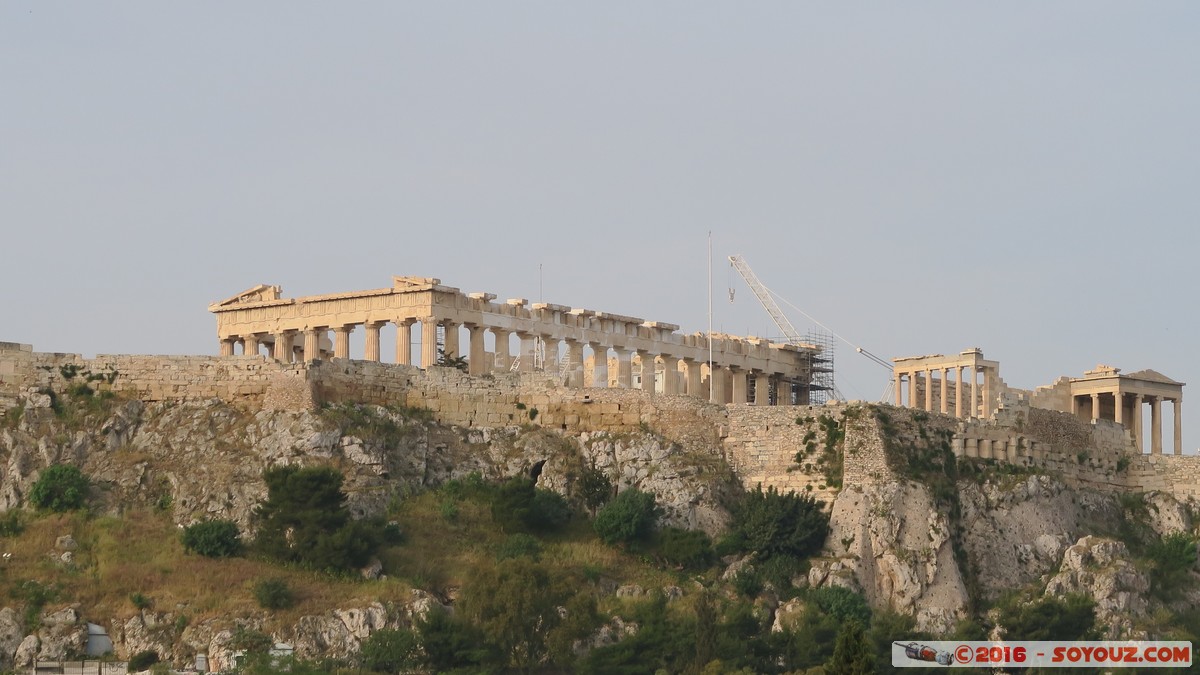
(766, 298)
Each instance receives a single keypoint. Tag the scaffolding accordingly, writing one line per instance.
(821, 387)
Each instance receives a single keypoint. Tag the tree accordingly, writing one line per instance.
(629, 517)
(594, 488)
(852, 655)
(519, 506)
(305, 520)
(515, 604)
(771, 523)
(61, 487)
(389, 650)
(213, 538)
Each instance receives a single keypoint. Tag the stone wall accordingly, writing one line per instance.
(760, 442)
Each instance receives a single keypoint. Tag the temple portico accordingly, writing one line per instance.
(964, 385)
(551, 338)
(1105, 394)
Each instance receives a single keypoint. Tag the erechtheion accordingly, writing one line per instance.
(968, 386)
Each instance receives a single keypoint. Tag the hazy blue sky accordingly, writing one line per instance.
(922, 177)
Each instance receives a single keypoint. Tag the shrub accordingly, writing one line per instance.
(213, 538)
(519, 545)
(305, 521)
(629, 517)
(771, 523)
(842, 604)
(1174, 556)
(12, 523)
(142, 660)
(449, 643)
(141, 601)
(520, 506)
(1050, 618)
(389, 651)
(274, 593)
(690, 549)
(595, 489)
(61, 487)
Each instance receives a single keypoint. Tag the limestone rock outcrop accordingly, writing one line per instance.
(1100, 569)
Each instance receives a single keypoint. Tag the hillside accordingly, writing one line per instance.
(920, 543)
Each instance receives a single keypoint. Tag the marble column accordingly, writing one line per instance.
(250, 347)
(972, 449)
(974, 392)
(528, 347)
(574, 363)
(404, 342)
(693, 387)
(599, 364)
(958, 392)
(718, 381)
(1156, 425)
(912, 389)
(943, 404)
(762, 388)
(429, 345)
(1118, 407)
(648, 367)
(476, 352)
(450, 339)
(928, 390)
(670, 375)
(988, 403)
(740, 385)
(1137, 422)
(502, 362)
(550, 362)
(312, 343)
(1095, 407)
(283, 346)
(899, 377)
(624, 368)
(1178, 409)
(371, 353)
(341, 341)
(227, 346)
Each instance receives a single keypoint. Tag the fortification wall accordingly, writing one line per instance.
(760, 442)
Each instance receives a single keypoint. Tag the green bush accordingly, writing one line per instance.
(520, 506)
(519, 545)
(12, 523)
(629, 517)
(274, 593)
(213, 538)
(389, 651)
(594, 488)
(1050, 618)
(770, 523)
(61, 487)
(305, 521)
(1173, 556)
(142, 660)
(842, 604)
(690, 549)
(141, 600)
(450, 643)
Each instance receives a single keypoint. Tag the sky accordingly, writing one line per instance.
(920, 177)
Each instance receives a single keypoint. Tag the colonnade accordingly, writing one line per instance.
(965, 385)
(1128, 409)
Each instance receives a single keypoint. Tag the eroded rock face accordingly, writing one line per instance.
(1100, 569)
(895, 544)
(1165, 514)
(12, 632)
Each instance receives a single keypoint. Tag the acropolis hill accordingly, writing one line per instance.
(965, 488)
(748, 403)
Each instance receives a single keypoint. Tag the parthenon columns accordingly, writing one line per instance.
(476, 353)
(503, 359)
(371, 353)
(958, 392)
(312, 343)
(942, 397)
(283, 346)
(429, 345)
(740, 385)
(670, 375)
(250, 345)
(341, 341)
(404, 342)
(599, 364)
(648, 379)
(624, 368)
(762, 388)
(574, 363)
(227, 346)
(528, 348)
(928, 390)
(450, 339)
(694, 386)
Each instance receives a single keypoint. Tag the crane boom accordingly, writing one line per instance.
(764, 297)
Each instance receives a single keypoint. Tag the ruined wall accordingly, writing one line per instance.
(761, 443)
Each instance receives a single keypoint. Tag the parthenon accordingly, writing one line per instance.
(551, 337)
(1101, 394)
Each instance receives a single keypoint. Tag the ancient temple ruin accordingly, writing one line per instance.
(581, 347)
(968, 386)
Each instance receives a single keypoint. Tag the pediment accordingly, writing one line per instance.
(259, 293)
